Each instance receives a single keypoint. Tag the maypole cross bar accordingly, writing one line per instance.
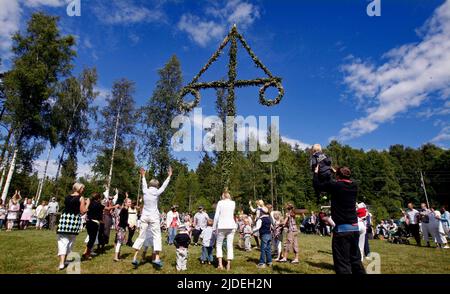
(230, 85)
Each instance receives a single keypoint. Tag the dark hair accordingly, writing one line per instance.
(343, 172)
(96, 196)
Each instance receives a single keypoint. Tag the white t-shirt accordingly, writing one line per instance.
(201, 220)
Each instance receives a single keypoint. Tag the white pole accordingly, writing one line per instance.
(113, 151)
(424, 188)
(42, 181)
(10, 174)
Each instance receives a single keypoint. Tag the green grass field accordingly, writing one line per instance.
(34, 252)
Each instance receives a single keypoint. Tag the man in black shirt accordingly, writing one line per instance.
(346, 253)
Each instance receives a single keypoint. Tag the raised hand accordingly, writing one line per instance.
(169, 172)
(142, 171)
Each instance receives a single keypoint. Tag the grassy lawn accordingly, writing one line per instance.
(26, 252)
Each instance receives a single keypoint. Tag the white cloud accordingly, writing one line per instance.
(295, 142)
(103, 93)
(50, 3)
(10, 13)
(217, 19)
(127, 12)
(39, 166)
(410, 75)
(443, 136)
(200, 31)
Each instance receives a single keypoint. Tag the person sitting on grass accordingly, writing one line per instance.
(208, 240)
(263, 224)
(181, 242)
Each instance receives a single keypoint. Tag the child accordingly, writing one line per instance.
(2, 214)
(240, 226)
(277, 232)
(41, 215)
(208, 239)
(181, 242)
(121, 227)
(318, 158)
(247, 231)
(263, 227)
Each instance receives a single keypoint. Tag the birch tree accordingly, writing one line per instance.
(117, 124)
(41, 57)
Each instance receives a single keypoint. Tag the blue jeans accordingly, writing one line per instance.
(2, 222)
(207, 254)
(266, 255)
(172, 234)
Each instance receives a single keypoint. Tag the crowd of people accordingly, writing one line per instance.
(21, 212)
(274, 233)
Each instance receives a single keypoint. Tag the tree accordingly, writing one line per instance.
(41, 57)
(72, 111)
(117, 126)
(157, 116)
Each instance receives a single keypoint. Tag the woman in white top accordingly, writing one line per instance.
(225, 226)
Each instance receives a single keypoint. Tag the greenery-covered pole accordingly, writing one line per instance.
(194, 88)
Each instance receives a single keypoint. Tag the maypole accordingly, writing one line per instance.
(194, 87)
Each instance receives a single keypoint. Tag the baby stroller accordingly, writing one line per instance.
(400, 237)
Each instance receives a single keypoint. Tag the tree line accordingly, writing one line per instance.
(44, 105)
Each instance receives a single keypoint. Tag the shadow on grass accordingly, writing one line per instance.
(326, 252)
(322, 265)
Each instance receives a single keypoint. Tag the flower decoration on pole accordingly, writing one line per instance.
(230, 85)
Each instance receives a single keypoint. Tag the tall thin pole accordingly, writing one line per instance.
(114, 146)
(271, 182)
(42, 181)
(424, 188)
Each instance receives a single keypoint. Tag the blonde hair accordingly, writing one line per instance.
(154, 183)
(226, 195)
(316, 148)
(77, 187)
(259, 202)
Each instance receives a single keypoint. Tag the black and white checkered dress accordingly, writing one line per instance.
(70, 221)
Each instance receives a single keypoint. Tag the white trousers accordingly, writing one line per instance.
(153, 224)
(182, 258)
(227, 234)
(362, 238)
(65, 243)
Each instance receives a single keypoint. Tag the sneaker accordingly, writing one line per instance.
(135, 263)
(61, 267)
(261, 265)
(295, 261)
(446, 247)
(269, 264)
(158, 264)
(282, 260)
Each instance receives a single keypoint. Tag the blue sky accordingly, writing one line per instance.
(367, 81)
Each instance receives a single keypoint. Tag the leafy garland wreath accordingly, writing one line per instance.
(194, 87)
